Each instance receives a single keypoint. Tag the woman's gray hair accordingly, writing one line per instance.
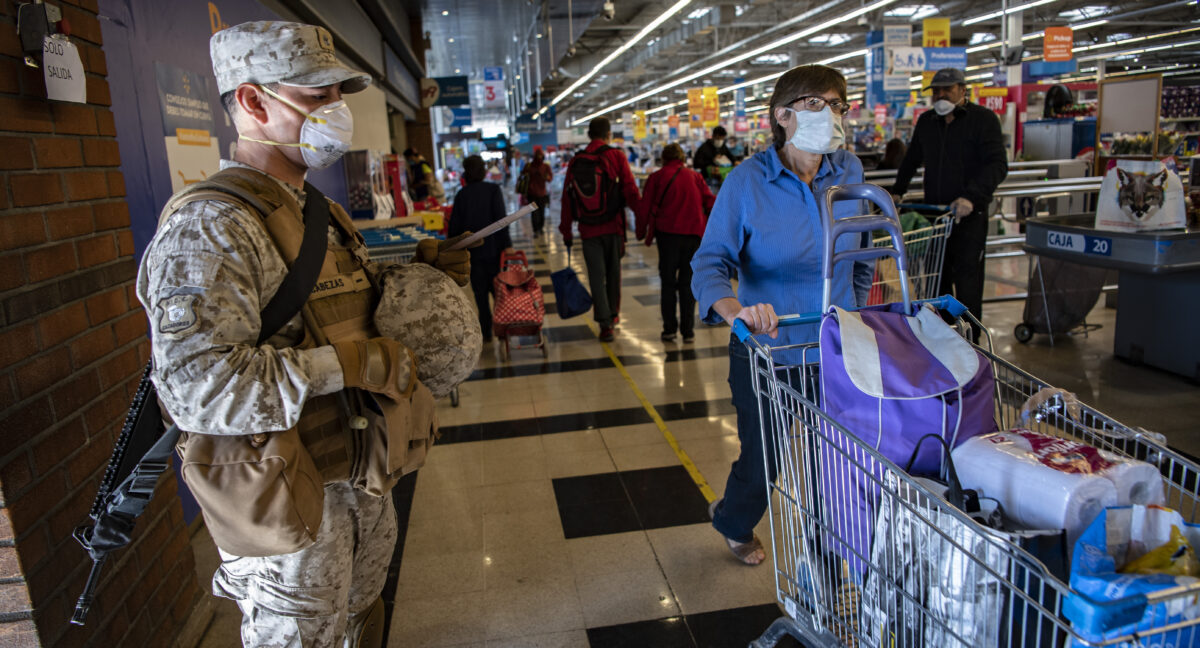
(802, 81)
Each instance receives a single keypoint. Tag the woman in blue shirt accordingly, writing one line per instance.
(765, 230)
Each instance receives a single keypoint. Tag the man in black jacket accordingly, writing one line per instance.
(707, 154)
(962, 149)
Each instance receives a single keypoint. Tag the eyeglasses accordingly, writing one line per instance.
(815, 103)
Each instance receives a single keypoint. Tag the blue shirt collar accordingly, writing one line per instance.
(830, 165)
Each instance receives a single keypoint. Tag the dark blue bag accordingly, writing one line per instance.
(569, 294)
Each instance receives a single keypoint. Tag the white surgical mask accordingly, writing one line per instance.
(943, 107)
(818, 132)
(325, 135)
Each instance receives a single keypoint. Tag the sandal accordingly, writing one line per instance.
(750, 553)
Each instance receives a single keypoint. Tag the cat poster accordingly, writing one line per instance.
(1140, 196)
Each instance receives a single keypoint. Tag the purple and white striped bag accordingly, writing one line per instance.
(890, 378)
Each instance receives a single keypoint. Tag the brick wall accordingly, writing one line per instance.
(72, 345)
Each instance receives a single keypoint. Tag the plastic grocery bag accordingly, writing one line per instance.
(1118, 536)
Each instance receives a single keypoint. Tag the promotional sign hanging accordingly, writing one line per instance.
(695, 106)
(639, 125)
(1056, 44)
(897, 35)
(673, 121)
(493, 73)
(880, 114)
(712, 107)
(445, 91)
(935, 32)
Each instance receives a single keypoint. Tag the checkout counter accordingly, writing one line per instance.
(1159, 299)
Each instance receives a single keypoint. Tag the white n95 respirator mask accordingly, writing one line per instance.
(943, 107)
(325, 135)
(818, 132)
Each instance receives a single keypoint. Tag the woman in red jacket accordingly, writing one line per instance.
(539, 174)
(674, 209)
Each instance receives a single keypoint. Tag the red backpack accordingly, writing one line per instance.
(593, 190)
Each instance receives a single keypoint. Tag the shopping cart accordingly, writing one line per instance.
(942, 579)
(925, 250)
(393, 244)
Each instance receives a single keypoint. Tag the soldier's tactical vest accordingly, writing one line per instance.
(340, 307)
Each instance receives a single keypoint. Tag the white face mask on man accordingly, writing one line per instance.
(818, 131)
(325, 135)
(943, 107)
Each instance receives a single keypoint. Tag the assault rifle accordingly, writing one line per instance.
(139, 458)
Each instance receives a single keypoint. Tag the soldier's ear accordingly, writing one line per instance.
(250, 102)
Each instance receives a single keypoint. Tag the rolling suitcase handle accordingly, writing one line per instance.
(833, 229)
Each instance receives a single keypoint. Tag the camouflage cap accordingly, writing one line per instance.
(293, 54)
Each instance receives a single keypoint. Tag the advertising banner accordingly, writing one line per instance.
(1056, 44)
(695, 106)
(493, 94)
(460, 116)
(673, 121)
(935, 32)
(907, 59)
(712, 107)
(193, 152)
(639, 125)
(445, 91)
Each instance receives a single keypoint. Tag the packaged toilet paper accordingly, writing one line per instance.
(1046, 482)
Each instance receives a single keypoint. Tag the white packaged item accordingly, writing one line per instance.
(1042, 482)
(1138, 196)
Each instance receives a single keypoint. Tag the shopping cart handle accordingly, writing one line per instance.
(945, 302)
(1094, 618)
(924, 207)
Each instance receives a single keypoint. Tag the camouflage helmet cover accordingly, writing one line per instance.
(424, 310)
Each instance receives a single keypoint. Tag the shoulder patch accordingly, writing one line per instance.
(177, 314)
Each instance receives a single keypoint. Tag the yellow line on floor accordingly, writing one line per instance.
(684, 459)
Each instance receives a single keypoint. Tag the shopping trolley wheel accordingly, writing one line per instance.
(1023, 333)
(454, 397)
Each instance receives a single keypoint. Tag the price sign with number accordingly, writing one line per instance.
(993, 99)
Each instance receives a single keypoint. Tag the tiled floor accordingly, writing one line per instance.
(554, 512)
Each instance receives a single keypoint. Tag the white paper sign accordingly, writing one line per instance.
(63, 70)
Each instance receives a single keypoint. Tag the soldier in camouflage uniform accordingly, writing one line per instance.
(203, 281)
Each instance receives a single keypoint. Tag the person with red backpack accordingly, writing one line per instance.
(598, 187)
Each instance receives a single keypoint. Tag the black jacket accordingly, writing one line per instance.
(476, 206)
(962, 159)
(708, 152)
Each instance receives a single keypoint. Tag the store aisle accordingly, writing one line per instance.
(555, 512)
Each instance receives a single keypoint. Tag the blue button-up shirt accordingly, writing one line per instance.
(765, 230)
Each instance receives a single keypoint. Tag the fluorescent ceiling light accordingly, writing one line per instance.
(804, 33)
(912, 12)
(675, 8)
(1083, 13)
(995, 14)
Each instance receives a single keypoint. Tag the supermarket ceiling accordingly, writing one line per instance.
(666, 46)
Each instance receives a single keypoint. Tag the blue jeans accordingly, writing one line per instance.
(746, 488)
